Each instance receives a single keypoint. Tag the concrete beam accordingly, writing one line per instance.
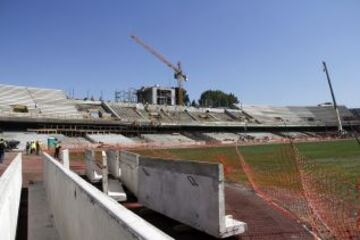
(10, 192)
(104, 172)
(93, 173)
(116, 190)
(189, 192)
(113, 162)
(124, 166)
(83, 212)
(129, 165)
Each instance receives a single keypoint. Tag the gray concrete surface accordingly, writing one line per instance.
(129, 165)
(109, 139)
(93, 173)
(40, 221)
(81, 211)
(189, 192)
(113, 159)
(116, 191)
(10, 192)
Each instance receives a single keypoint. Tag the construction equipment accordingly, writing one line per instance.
(178, 73)
(340, 127)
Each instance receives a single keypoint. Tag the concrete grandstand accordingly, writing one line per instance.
(51, 113)
(52, 105)
(36, 102)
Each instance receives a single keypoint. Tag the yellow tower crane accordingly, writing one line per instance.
(178, 73)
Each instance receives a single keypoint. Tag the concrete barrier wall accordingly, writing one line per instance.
(189, 192)
(113, 159)
(93, 173)
(83, 212)
(10, 192)
(129, 164)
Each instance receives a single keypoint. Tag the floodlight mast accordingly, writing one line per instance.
(340, 127)
(178, 73)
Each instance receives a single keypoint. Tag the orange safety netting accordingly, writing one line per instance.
(326, 203)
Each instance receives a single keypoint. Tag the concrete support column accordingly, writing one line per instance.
(105, 181)
(65, 159)
(173, 96)
(154, 95)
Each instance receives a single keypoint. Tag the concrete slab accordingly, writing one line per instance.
(40, 220)
(116, 191)
(190, 192)
(113, 164)
(81, 211)
(129, 164)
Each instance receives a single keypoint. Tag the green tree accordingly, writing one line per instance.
(186, 98)
(193, 103)
(217, 98)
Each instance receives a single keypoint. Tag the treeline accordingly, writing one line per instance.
(213, 98)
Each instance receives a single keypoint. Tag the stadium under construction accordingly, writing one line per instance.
(51, 111)
(102, 186)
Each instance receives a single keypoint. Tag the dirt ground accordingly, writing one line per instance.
(264, 221)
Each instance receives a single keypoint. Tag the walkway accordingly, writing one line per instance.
(264, 222)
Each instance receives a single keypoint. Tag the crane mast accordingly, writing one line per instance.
(340, 127)
(178, 73)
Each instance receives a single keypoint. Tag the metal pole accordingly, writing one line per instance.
(340, 128)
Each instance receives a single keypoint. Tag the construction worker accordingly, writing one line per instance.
(57, 150)
(27, 148)
(32, 147)
(2, 150)
(37, 147)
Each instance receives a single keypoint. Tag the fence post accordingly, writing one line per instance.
(105, 184)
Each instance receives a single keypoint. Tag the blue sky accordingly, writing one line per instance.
(265, 52)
